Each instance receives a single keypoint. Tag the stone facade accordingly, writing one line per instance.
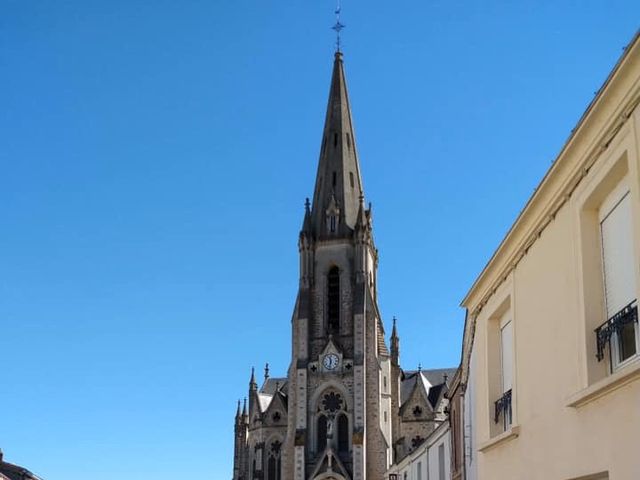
(346, 410)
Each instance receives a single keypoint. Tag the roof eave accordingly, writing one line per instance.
(541, 190)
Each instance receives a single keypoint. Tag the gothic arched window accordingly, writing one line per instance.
(343, 433)
(273, 464)
(333, 299)
(271, 469)
(322, 433)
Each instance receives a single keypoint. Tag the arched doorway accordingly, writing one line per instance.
(329, 476)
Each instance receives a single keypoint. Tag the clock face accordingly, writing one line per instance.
(330, 361)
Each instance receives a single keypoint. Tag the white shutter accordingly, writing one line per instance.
(617, 256)
(506, 347)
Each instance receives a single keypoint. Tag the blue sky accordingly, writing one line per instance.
(154, 161)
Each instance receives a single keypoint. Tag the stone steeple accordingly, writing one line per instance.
(336, 198)
(338, 414)
(332, 417)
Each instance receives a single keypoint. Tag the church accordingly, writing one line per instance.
(346, 409)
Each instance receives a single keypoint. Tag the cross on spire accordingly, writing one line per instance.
(338, 26)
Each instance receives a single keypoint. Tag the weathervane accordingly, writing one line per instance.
(338, 27)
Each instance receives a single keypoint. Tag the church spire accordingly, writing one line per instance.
(336, 199)
(395, 344)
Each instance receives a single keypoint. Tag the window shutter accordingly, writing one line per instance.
(441, 469)
(506, 347)
(617, 255)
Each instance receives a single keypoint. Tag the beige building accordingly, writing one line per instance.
(552, 337)
(430, 461)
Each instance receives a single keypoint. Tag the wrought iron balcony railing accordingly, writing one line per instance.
(615, 324)
(503, 409)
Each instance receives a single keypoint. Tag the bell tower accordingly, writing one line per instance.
(340, 374)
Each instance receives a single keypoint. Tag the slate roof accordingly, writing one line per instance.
(382, 346)
(14, 472)
(265, 401)
(269, 386)
(433, 381)
(268, 390)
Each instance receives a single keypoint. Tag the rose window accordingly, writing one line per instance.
(332, 402)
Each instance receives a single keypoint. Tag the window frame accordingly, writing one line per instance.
(499, 310)
(613, 200)
(604, 178)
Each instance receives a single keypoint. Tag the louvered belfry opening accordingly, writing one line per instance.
(333, 300)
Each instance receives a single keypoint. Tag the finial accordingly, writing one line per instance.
(244, 407)
(307, 204)
(394, 321)
(238, 410)
(252, 381)
(338, 27)
(419, 367)
(266, 371)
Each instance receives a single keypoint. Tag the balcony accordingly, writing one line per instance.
(619, 334)
(503, 410)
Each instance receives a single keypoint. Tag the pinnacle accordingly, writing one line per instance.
(252, 382)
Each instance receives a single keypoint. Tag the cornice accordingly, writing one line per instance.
(605, 116)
